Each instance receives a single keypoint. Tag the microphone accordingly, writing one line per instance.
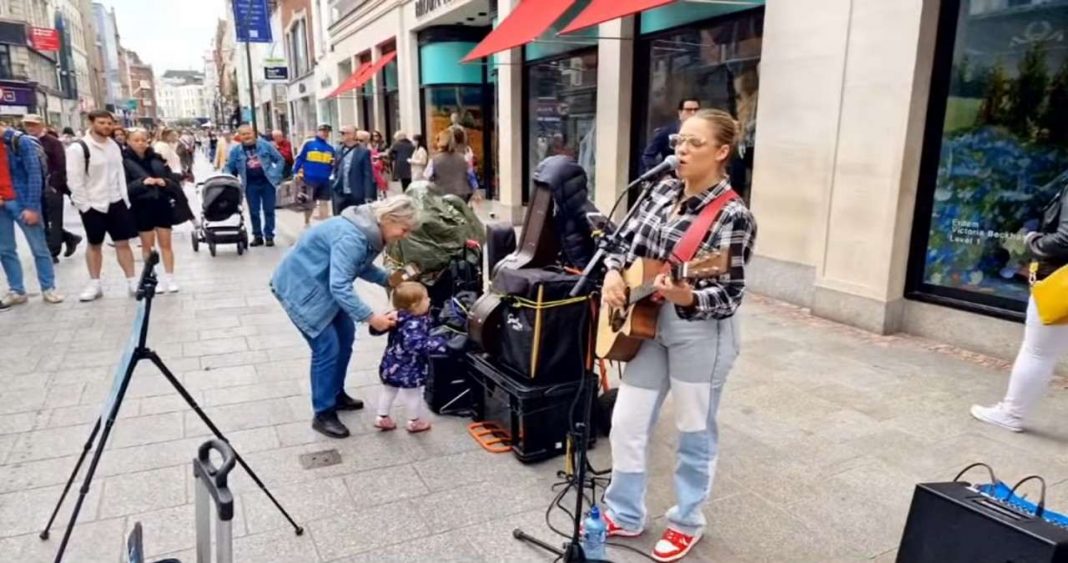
(669, 163)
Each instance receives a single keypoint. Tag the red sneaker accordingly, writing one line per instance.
(615, 530)
(674, 545)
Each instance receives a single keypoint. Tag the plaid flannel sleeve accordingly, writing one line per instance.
(719, 298)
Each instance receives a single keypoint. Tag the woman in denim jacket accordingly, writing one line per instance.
(314, 284)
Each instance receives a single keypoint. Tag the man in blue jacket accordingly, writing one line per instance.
(21, 185)
(259, 165)
(354, 182)
(314, 165)
(314, 284)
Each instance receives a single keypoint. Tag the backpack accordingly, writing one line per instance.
(85, 151)
(42, 156)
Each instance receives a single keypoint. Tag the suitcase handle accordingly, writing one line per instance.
(214, 479)
(993, 480)
(1040, 508)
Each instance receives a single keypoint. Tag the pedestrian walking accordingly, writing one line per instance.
(354, 182)
(157, 202)
(167, 148)
(259, 166)
(420, 158)
(97, 183)
(1043, 344)
(400, 154)
(314, 167)
(314, 284)
(55, 189)
(21, 185)
(285, 148)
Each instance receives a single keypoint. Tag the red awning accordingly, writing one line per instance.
(600, 11)
(375, 68)
(350, 82)
(526, 22)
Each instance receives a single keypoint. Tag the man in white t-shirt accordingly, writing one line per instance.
(97, 183)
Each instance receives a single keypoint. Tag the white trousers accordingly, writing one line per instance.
(1043, 346)
(411, 399)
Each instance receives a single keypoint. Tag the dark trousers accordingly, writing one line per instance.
(405, 182)
(344, 201)
(53, 220)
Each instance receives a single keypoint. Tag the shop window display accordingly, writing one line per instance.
(446, 106)
(1002, 151)
(562, 108)
(716, 63)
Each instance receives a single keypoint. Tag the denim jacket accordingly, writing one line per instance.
(25, 169)
(272, 161)
(315, 279)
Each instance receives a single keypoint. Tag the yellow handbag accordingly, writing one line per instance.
(1050, 295)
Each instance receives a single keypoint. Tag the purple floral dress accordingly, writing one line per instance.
(406, 361)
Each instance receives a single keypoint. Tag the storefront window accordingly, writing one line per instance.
(1002, 151)
(392, 100)
(562, 111)
(716, 63)
(456, 105)
(367, 105)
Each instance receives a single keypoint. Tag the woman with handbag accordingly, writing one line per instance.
(1045, 339)
(157, 201)
(697, 333)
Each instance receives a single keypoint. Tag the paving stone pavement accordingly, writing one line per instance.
(824, 429)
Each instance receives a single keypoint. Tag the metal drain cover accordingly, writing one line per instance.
(315, 460)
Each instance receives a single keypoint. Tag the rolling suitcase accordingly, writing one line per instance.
(500, 242)
(212, 489)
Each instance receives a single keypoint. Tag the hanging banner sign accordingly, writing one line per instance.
(44, 39)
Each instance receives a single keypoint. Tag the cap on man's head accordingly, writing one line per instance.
(325, 127)
(32, 118)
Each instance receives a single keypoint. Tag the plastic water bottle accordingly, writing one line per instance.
(594, 534)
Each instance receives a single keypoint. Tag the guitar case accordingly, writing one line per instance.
(500, 242)
(545, 335)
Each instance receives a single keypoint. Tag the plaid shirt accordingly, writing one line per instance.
(654, 232)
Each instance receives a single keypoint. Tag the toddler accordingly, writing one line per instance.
(406, 362)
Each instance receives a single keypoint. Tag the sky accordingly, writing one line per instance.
(170, 35)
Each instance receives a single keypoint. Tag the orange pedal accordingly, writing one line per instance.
(491, 436)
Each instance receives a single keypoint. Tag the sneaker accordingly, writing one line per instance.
(418, 425)
(270, 242)
(13, 298)
(385, 423)
(998, 416)
(91, 292)
(256, 241)
(170, 286)
(615, 530)
(52, 296)
(674, 545)
(4, 307)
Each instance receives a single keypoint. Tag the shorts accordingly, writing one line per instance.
(117, 223)
(153, 214)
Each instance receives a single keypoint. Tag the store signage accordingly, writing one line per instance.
(424, 7)
(252, 21)
(276, 73)
(13, 96)
(44, 39)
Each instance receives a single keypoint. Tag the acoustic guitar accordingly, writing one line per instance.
(538, 247)
(620, 332)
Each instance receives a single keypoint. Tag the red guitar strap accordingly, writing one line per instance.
(686, 248)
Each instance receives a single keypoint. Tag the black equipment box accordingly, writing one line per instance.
(951, 522)
(500, 242)
(538, 417)
(545, 334)
(448, 387)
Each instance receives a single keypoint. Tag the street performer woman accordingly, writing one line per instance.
(697, 337)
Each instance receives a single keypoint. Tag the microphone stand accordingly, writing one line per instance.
(580, 435)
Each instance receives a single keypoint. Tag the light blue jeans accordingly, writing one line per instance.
(10, 214)
(691, 359)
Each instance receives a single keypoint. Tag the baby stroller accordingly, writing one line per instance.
(222, 217)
